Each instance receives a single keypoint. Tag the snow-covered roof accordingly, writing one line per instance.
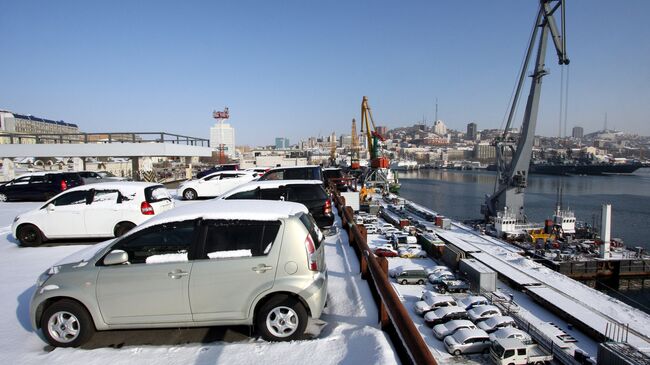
(263, 210)
(463, 334)
(268, 184)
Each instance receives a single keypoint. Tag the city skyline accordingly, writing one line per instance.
(302, 68)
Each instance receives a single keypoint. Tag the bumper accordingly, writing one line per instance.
(318, 290)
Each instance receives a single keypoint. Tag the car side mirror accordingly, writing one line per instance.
(117, 257)
(50, 207)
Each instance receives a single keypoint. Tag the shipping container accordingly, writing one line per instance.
(480, 277)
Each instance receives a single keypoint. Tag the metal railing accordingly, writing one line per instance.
(112, 137)
(393, 316)
(559, 354)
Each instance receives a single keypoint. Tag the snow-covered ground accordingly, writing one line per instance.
(350, 336)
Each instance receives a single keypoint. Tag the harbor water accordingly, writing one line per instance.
(459, 195)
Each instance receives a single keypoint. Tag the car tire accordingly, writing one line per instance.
(457, 353)
(403, 282)
(189, 194)
(122, 227)
(67, 323)
(420, 282)
(442, 290)
(3, 197)
(282, 318)
(29, 235)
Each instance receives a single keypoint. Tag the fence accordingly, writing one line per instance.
(393, 316)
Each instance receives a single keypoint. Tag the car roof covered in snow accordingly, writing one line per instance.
(268, 184)
(261, 210)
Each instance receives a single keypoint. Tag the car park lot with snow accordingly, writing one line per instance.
(347, 332)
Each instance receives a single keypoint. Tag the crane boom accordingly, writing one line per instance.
(512, 176)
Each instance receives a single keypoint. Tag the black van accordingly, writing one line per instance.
(309, 172)
(39, 186)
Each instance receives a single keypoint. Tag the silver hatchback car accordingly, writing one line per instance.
(219, 262)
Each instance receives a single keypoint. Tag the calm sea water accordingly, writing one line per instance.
(459, 194)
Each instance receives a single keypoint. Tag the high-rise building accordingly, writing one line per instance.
(471, 132)
(223, 133)
(439, 128)
(281, 143)
(382, 130)
(577, 132)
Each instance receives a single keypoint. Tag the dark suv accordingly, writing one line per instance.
(39, 186)
(309, 193)
(310, 172)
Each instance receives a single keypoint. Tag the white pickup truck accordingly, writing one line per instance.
(506, 351)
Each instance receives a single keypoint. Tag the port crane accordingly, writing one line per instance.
(513, 155)
(378, 173)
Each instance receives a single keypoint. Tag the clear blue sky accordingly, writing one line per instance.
(300, 68)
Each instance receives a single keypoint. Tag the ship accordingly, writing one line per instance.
(579, 167)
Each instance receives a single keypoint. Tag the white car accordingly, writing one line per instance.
(371, 229)
(472, 301)
(97, 210)
(447, 329)
(510, 332)
(430, 301)
(394, 272)
(497, 322)
(483, 312)
(436, 269)
(214, 184)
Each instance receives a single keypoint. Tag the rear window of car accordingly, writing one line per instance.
(156, 193)
(71, 176)
(307, 192)
(232, 239)
(313, 229)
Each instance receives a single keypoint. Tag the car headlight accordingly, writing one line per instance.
(42, 279)
(46, 275)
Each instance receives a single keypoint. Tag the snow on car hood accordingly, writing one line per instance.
(85, 254)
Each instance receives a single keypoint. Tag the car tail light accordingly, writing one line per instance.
(327, 209)
(146, 208)
(311, 250)
(64, 185)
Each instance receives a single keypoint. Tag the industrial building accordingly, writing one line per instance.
(13, 123)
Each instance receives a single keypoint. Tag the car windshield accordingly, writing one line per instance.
(498, 350)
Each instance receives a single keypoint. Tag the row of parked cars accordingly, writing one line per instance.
(225, 261)
(107, 210)
(399, 242)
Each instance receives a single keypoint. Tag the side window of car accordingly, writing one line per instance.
(296, 174)
(250, 194)
(508, 354)
(213, 177)
(520, 352)
(231, 239)
(169, 242)
(71, 198)
(275, 175)
(105, 197)
(37, 180)
(21, 181)
(228, 176)
(273, 194)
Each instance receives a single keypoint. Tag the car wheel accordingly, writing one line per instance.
(122, 228)
(67, 323)
(189, 194)
(456, 352)
(403, 282)
(282, 318)
(29, 235)
(442, 290)
(3, 197)
(420, 282)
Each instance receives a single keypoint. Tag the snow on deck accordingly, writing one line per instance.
(351, 335)
(594, 308)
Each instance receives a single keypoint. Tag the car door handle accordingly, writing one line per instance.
(177, 274)
(261, 268)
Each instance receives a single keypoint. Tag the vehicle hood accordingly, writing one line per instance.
(85, 254)
(422, 305)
